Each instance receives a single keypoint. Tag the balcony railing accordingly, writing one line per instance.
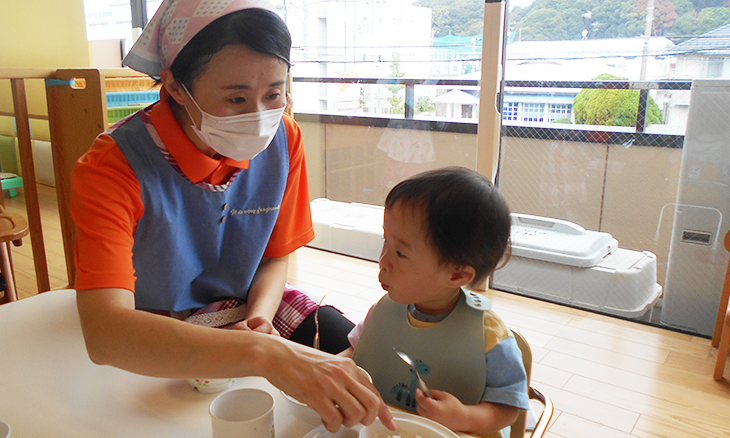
(573, 132)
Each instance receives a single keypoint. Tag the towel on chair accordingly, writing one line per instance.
(295, 306)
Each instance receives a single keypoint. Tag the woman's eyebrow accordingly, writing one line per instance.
(248, 87)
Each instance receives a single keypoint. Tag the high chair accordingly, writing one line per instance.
(13, 227)
(518, 427)
(721, 337)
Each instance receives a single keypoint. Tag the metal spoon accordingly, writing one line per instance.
(407, 359)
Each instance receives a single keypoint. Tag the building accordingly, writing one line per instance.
(706, 56)
(369, 38)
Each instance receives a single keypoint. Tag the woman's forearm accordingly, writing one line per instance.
(117, 334)
(140, 342)
(267, 287)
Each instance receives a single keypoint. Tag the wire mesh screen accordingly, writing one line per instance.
(597, 186)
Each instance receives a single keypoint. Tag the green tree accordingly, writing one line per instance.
(683, 6)
(692, 24)
(550, 20)
(396, 101)
(611, 107)
(665, 14)
(617, 19)
(424, 104)
(455, 17)
(543, 25)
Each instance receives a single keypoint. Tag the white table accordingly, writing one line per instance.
(50, 388)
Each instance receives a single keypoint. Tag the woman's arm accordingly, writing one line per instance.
(264, 295)
(140, 342)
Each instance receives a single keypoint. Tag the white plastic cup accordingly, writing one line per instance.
(246, 412)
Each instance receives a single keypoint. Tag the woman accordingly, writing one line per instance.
(188, 210)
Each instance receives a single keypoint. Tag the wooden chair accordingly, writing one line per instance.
(518, 427)
(13, 227)
(721, 337)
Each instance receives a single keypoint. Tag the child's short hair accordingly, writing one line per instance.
(466, 218)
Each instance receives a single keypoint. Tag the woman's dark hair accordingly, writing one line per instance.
(260, 30)
(466, 218)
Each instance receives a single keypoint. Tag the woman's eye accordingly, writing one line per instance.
(273, 96)
(238, 100)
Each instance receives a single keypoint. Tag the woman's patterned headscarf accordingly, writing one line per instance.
(175, 23)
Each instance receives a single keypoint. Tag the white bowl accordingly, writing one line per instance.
(409, 426)
(210, 385)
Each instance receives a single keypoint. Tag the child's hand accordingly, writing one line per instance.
(443, 408)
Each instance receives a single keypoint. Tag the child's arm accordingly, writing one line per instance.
(481, 419)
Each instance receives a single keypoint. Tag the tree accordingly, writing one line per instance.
(692, 24)
(396, 101)
(455, 17)
(665, 14)
(543, 25)
(550, 20)
(611, 107)
(424, 104)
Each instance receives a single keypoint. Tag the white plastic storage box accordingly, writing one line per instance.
(562, 262)
(348, 228)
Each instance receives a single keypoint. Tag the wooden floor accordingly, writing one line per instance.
(607, 377)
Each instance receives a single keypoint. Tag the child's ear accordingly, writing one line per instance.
(462, 275)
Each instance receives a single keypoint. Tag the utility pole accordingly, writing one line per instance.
(647, 35)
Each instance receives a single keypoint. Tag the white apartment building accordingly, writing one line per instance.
(355, 39)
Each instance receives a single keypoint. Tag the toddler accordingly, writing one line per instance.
(445, 230)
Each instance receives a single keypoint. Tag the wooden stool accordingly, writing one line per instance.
(13, 227)
(12, 184)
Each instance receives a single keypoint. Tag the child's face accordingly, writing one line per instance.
(409, 266)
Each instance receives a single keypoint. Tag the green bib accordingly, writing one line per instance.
(449, 355)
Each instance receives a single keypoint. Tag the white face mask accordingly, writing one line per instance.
(240, 137)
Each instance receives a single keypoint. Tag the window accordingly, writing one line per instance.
(533, 112)
(509, 111)
(467, 111)
(559, 111)
(714, 67)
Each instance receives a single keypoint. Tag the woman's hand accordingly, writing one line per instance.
(335, 387)
(259, 324)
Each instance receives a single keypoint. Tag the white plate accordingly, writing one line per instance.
(407, 424)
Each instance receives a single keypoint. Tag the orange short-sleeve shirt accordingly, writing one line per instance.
(106, 202)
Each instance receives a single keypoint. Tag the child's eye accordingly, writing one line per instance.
(400, 254)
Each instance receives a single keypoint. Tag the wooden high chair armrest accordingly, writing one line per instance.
(547, 413)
